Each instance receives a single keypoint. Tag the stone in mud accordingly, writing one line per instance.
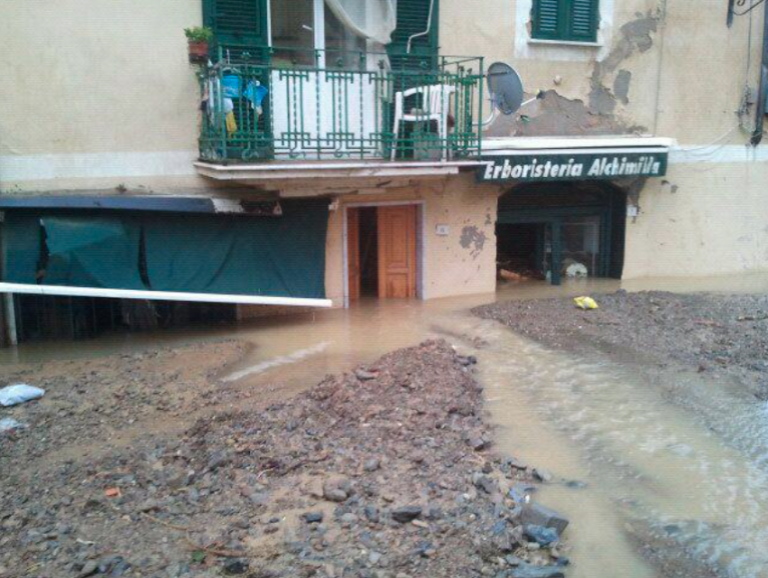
(541, 535)
(526, 570)
(234, 566)
(519, 492)
(538, 515)
(542, 475)
(311, 517)
(514, 463)
(337, 490)
(372, 513)
(372, 465)
(89, 569)
(364, 375)
(485, 483)
(406, 514)
(478, 444)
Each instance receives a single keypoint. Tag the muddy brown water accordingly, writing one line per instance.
(652, 459)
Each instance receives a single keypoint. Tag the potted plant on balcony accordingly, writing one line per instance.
(198, 38)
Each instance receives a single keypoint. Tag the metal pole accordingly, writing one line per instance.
(757, 134)
(557, 252)
(10, 320)
(67, 291)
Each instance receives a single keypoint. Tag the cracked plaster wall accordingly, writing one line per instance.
(670, 68)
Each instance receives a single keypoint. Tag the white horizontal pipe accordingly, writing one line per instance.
(66, 291)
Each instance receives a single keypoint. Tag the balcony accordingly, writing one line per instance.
(267, 104)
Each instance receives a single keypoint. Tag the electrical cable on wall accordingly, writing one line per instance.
(752, 6)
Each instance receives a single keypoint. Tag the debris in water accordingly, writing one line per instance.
(19, 393)
(8, 424)
(586, 303)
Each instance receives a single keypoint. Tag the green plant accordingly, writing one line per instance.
(199, 34)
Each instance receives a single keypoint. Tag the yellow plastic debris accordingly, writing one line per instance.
(585, 303)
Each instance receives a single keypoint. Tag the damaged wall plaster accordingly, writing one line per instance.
(595, 114)
(474, 239)
(635, 36)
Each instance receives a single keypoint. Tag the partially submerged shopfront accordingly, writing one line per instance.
(325, 233)
(335, 166)
(565, 203)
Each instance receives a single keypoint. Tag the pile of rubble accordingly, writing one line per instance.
(386, 472)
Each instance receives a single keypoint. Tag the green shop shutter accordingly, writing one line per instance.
(412, 18)
(22, 241)
(91, 251)
(272, 256)
(237, 23)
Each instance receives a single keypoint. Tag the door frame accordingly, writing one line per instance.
(421, 221)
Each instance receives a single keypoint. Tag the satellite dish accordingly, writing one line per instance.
(505, 88)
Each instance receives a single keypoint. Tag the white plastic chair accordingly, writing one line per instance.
(436, 100)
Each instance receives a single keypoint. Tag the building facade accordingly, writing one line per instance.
(328, 150)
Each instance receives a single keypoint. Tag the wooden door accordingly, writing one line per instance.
(397, 251)
(353, 253)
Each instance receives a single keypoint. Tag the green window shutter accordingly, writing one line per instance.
(574, 20)
(548, 19)
(237, 22)
(583, 20)
(412, 18)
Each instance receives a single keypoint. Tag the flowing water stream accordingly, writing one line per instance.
(668, 460)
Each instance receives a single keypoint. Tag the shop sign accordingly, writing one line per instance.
(572, 167)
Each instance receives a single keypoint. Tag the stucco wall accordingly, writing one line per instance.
(102, 96)
(460, 263)
(97, 94)
(670, 68)
(701, 221)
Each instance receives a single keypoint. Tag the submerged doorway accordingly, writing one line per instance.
(553, 230)
(382, 251)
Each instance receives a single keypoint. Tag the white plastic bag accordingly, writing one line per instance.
(19, 393)
(8, 424)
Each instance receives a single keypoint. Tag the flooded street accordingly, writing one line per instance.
(647, 465)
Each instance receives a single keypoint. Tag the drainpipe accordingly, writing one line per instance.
(762, 95)
(729, 18)
(419, 34)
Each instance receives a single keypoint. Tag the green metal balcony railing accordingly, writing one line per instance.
(267, 103)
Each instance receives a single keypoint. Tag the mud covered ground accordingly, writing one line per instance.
(147, 465)
(725, 336)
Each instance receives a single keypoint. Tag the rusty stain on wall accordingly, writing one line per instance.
(473, 239)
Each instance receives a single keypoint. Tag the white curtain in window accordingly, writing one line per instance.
(373, 20)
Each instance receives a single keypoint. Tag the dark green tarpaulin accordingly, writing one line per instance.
(274, 256)
(91, 251)
(22, 239)
(281, 257)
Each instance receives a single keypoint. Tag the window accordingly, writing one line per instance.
(343, 47)
(293, 31)
(306, 32)
(571, 20)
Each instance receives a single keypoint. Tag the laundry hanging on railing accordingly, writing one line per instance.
(220, 94)
(254, 92)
